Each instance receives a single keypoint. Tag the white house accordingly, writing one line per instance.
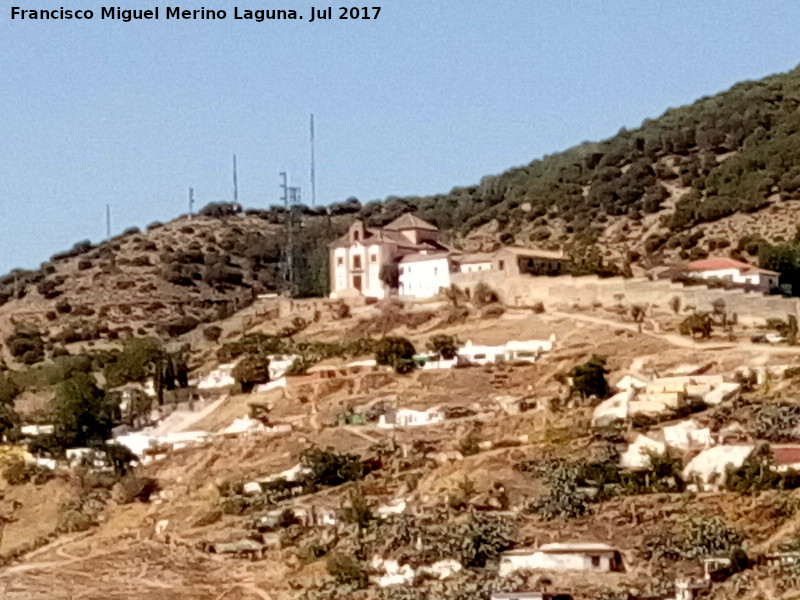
(528, 350)
(406, 417)
(733, 270)
(423, 275)
(562, 557)
(709, 469)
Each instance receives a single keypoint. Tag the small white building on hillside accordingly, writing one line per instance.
(735, 271)
(562, 557)
(407, 417)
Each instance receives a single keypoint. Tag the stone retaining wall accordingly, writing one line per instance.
(751, 307)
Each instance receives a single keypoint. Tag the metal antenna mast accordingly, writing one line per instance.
(191, 202)
(285, 196)
(108, 221)
(235, 182)
(294, 200)
(313, 167)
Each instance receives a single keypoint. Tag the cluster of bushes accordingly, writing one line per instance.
(322, 468)
(26, 344)
(140, 358)
(395, 352)
(588, 379)
(569, 482)
(757, 474)
(696, 537)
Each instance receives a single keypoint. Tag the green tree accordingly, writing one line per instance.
(357, 510)
(589, 379)
(395, 352)
(446, 346)
(136, 361)
(346, 570)
(81, 415)
(251, 371)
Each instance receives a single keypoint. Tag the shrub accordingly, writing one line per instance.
(141, 261)
(346, 570)
(179, 326)
(446, 346)
(564, 500)
(63, 306)
(212, 333)
(49, 288)
(777, 422)
(26, 344)
(493, 311)
(131, 488)
(357, 511)
(395, 352)
(251, 371)
(589, 379)
(220, 210)
(483, 295)
(328, 468)
(696, 325)
(84, 264)
(19, 472)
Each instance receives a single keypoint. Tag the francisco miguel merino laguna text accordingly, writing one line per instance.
(200, 14)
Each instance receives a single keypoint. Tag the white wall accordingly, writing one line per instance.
(557, 561)
(761, 280)
(369, 271)
(424, 279)
(373, 284)
(340, 279)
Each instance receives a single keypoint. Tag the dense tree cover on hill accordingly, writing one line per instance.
(757, 121)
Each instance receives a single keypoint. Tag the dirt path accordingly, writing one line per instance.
(679, 340)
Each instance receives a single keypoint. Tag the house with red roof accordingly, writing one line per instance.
(733, 270)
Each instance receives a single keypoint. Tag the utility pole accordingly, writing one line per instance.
(191, 203)
(108, 221)
(235, 183)
(287, 252)
(313, 166)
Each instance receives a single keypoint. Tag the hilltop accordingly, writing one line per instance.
(719, 176)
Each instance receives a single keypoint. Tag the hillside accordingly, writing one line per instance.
(696, 179)
(721, 175)
(483, 475)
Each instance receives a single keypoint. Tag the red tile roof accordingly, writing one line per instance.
(409, 221)
(785, 456)
(722, 263)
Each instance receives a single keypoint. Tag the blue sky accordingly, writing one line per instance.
(430, 96)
